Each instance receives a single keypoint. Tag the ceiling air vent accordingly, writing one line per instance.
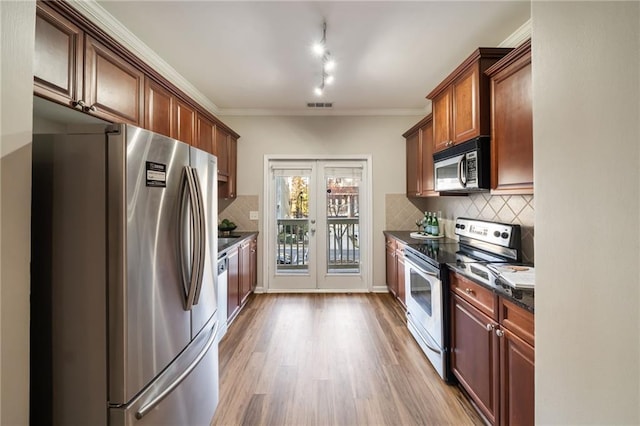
(320, 105)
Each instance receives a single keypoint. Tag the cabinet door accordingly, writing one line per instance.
(113, 88)
(57, 60)
(232, 167)
(392, 278)
(205, 134)
(441, 106)
(512, 130)
(254, 263)
(474, 355)
(158, 108)
(427, 185)
(400, 274)
(245, 270)
(517, 380)
(222, 152)
(414, 169)
(233, 283)
(185, 122)
(466, 105)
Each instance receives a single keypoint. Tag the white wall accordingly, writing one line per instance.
(379, 136)
(17, 35)
(586, 94)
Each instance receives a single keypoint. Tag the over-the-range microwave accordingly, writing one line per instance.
(464, 167)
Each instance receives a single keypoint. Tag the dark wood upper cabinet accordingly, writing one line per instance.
(222, 151)
(205, 134)
(78, 65)
(113, 88)
(414, 163)
(461, 103)
(158, 109)
(512, 123)
(419, 144)
(184, 117)
(58, 57)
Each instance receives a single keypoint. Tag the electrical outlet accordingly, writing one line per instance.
(253, 215)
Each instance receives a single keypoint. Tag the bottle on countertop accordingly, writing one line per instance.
(435, 226)
(425, 223)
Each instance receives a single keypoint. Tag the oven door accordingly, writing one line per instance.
(424, 301)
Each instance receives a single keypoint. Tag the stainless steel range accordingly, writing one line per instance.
(427, 277)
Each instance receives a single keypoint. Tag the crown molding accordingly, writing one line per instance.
(420, 112)
(103, 19)
(519, 36)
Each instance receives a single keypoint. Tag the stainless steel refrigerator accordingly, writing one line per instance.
(124, 279)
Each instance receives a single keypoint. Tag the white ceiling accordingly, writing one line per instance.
(254, 57)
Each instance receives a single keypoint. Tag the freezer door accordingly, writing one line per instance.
(185, 394)
(148, 324)
(205, 303)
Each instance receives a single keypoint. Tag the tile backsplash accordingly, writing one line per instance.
(402, 213)
(237, 211)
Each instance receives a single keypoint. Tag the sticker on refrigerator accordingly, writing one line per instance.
(156, 174)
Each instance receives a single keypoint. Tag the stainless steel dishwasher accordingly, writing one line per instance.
(223, 276)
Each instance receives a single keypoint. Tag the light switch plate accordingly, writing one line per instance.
(253, 215)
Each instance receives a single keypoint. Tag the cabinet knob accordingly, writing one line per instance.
(468, 291)
(499, 333)
(79, 104)
(490, 327)
(92, 108)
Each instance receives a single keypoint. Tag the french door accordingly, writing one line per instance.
(317, 225)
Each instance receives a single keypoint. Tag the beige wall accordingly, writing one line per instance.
(381, 137)
(17, 35)
(586, 99)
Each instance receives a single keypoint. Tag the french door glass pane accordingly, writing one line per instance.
(343, 221)
(292, 216)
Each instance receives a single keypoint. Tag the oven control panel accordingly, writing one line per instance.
(501, 234)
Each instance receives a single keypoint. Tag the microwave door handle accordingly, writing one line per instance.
(462, 175)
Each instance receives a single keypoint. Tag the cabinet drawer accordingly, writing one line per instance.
(517, 320)
(480, 297)
(390, 243)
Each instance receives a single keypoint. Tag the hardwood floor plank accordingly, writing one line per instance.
(330, 359)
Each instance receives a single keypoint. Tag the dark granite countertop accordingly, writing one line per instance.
(236, 238)
(405, 237)
(521, 297)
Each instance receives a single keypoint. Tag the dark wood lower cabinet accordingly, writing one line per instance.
(517, 381)
(242, 274)
(233, 281)
(392, 277)
(400, 273)
(244, 253)
(474, 355)
(492, 352)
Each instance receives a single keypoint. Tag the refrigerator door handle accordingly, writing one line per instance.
(187, 185)
(145, 409)
(202, 240)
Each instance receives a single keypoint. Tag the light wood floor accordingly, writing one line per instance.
(330, 360)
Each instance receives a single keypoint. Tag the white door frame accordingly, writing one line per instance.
(366, 249)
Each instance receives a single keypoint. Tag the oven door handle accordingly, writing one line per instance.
(409, 260)
(424, 339)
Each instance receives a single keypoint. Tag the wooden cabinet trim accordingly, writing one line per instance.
(521, 52)
(482, 52)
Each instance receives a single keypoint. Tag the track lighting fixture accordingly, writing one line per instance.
(328, 64)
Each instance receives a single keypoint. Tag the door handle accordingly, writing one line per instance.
(187, 186)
